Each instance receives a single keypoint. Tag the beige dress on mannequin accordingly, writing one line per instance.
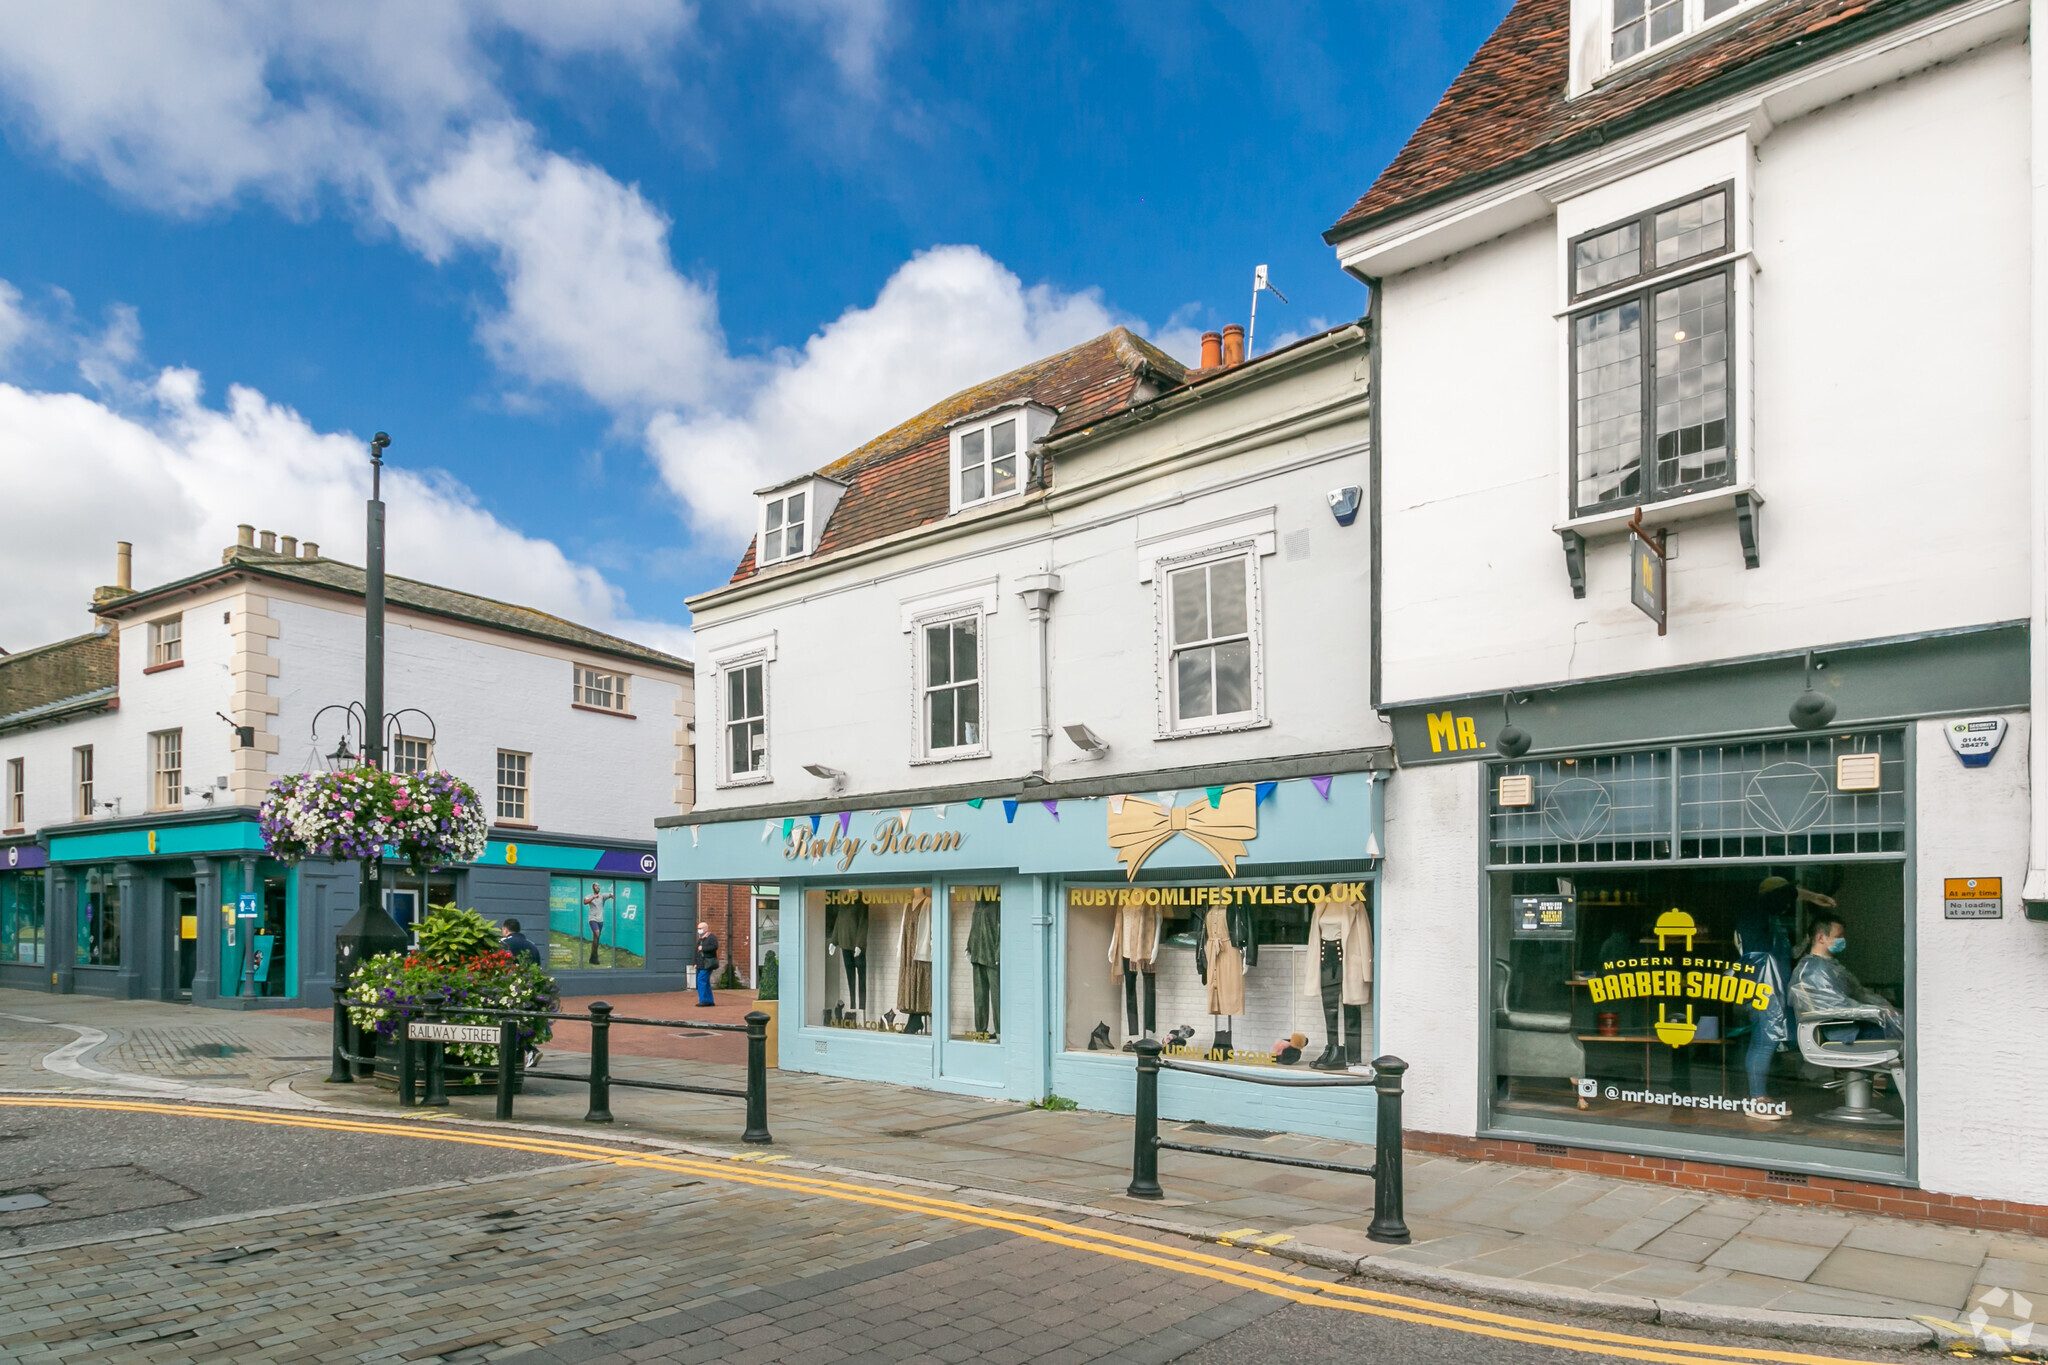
(1226, 964)
(914, 979)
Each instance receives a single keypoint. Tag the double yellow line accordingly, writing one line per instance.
(750, 1169)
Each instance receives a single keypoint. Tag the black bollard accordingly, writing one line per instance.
(600, 1064)
(1145, 1131)
(757, 1078)
(338, 1073)
(1388, 1222)
(508, 1052)
(437, 1057)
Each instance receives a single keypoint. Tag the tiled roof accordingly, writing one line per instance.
(335, 576)
(1507, 112)
(898, 480)
(54, 678)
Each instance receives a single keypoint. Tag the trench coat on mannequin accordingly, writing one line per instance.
(1133, 940)
(1354, 939)
(914, 980)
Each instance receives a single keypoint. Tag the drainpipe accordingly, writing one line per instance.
(1038, 590)
(2035, 892)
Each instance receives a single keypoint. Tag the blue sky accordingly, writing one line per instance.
(601, 269)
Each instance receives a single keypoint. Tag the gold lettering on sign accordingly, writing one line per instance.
(1451, 732)
(891, 836)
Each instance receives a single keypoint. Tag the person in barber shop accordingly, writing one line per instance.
(1821, 982)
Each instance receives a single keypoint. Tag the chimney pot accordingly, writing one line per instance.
(245, 536)
(290, 546)
(1233, 345)
(310, 550)
(1212, 350)
(268, 539)
(124, 565)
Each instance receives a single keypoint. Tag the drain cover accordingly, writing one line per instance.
(15, 1203)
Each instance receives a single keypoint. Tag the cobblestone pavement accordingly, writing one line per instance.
(1523, 1226)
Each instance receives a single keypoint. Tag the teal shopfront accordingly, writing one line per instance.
(190, 907)
(1014, 946)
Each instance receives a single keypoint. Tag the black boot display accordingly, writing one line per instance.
(1098, 1041)
(1219, 1048)
(1331, 979)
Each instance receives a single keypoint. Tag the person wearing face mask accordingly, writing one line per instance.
(1821, 982)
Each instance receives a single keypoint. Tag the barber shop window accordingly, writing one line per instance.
(1704, 947)
(1652, 356)
(1275, 974)
(867, 952)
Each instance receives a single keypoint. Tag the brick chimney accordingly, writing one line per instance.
(1233, 345)
(1212, 350)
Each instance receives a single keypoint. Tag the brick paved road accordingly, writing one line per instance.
(633, 1258)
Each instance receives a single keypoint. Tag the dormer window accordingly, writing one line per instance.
(991, 453)
(1641, 25)
(782, 530)
(793, 517)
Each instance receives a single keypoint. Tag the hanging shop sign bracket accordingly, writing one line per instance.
(1648, 571)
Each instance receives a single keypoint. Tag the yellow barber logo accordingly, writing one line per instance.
(1675, 924)
(1675, 1032)
(1138, 830)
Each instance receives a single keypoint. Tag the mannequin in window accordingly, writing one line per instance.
(1133, 954)
(1340, 944)
(984, 953)
(914, 979)
(1228, 944)
(846, 933)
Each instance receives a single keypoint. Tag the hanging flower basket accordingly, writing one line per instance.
(425, 819)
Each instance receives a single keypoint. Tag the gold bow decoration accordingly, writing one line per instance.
(1139, 830)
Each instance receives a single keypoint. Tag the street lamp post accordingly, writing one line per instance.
(371, 930)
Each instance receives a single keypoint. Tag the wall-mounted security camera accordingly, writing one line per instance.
(1344, 503)
(1087, 741)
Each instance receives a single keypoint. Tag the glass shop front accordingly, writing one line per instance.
(1705, 950)
(870, 953)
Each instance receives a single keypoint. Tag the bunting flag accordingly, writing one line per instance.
(788, 824)
(1265, 790)
(1215, 797)
(768, 828)
(1052, 808)
(1169, 799)
(1116, 805)
(939, 811)
(904, 814)
(1372, 846)
(1322, 786)
(816, 820)
(845, 822)
(1009, 812)
(694, 831)
(976, 802)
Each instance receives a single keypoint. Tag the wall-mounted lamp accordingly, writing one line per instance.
(832, 775)
(1087, 741)
(1810, 710)
(1512, 741)
(1344, 503)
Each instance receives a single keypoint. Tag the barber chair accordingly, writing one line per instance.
(1857, 1059)
(1532, 1043)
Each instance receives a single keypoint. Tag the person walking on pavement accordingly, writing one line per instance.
(516, 943)
(707, 961)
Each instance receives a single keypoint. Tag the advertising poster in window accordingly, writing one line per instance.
(596, 922)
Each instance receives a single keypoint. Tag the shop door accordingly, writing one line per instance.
(972, 1009)
(182, 897)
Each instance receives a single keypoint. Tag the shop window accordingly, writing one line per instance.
(512, 768)
(974, 928)
(99, 919)
(81, 781)
(167, 769)
(410, 898)
(1267, 974)
(869, 958)
(596, 923)
(21, 917)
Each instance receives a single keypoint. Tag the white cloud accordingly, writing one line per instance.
(177, 477)
(948, 318)
(14, 323)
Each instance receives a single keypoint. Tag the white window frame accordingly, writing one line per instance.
(1695, 23)
(1021, 418)
(581, 691)
(17, 793)
(921, 751)
(524, 788)
(1170, 725)
(398, 754)
(765, 773)
(808, 522)
(163, 652)
(81, 781)
(166, 795)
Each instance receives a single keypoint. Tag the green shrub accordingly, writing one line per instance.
(449, 935)
(771, 979)
(1057, 1104)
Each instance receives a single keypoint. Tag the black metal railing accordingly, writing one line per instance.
(424, 1062)
(1388, 1221)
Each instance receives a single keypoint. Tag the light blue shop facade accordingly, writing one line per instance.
(189, 906)
(940, 882)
